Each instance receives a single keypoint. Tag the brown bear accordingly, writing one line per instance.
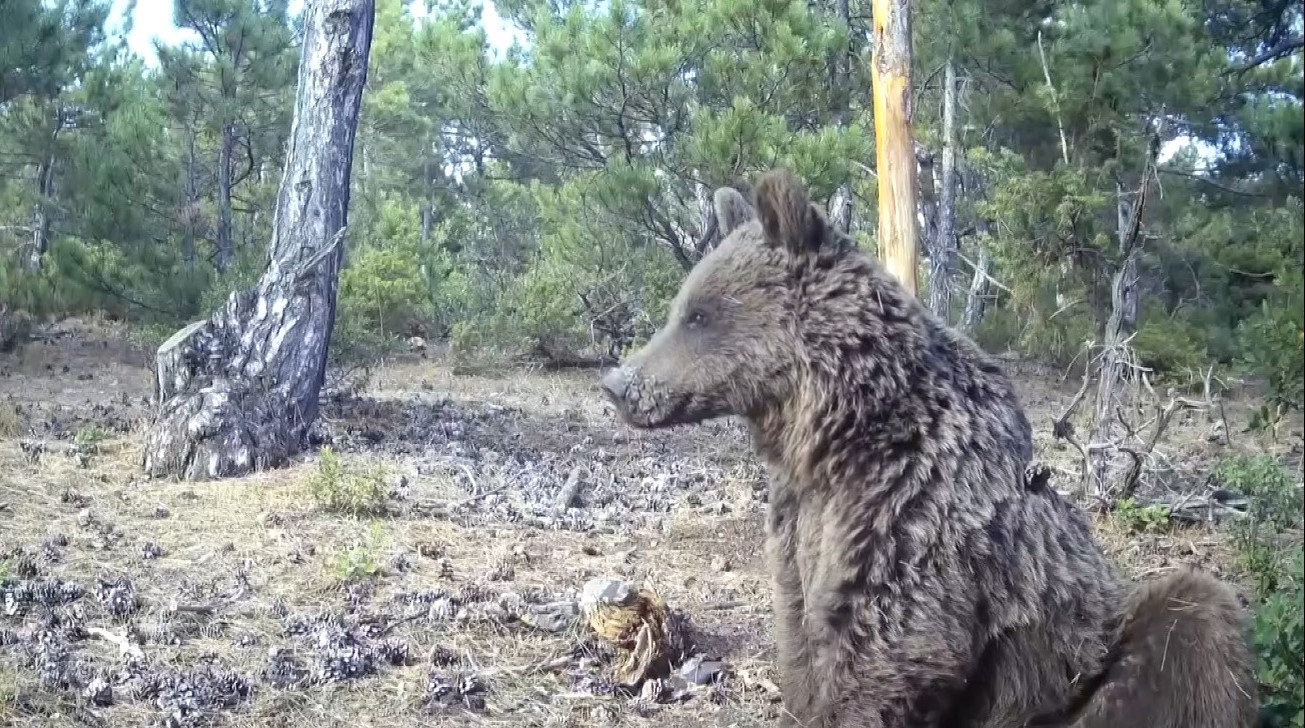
(922, 578)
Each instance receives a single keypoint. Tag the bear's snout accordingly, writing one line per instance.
(616, 383)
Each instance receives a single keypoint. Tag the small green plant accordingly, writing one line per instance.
(5, 569)
(89, 439)
(1275, 512)
(1131, 516)
(359, 560)
(348, 488)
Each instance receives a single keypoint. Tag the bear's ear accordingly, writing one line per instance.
(787, 216)
(732, 210)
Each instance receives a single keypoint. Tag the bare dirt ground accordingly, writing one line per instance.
(240, 603)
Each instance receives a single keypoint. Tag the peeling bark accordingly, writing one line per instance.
(238, 391)
(894, 151)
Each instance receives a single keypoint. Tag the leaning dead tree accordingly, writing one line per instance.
(890, 76)
(237, 392)
(1128, 418)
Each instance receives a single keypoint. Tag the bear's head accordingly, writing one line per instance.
(786, 305)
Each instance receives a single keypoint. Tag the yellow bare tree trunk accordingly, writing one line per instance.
(895, 154)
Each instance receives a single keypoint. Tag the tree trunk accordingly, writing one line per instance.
(226, 150)
(840, 209)
(927, 198)
(709, 234)
(192, 203)
(427, 207)
(239, 391)
(1128, 303)
(840, 206)
(894, 151)
(1118, 366)
(976, 303)
(1116, 371)
(41, 212)
(942, 253)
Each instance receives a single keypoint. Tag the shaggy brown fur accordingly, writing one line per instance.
(921, 577)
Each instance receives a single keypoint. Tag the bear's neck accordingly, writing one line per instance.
(892, 386)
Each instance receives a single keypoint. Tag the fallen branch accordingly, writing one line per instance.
(204, 610)
(432, 508)
(553, 665)
(1162, 421)
(979, 270)
(1210, 509)
(125, 647)
(570, 490)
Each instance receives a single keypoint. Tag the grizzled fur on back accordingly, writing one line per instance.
(920, 578)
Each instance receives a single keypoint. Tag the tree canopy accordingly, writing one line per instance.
(545, 197)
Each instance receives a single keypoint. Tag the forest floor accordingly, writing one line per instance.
(131, 602)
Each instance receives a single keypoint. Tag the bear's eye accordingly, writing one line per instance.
(696, 319)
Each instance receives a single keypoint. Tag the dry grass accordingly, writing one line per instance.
(252, 544)
(267, 528)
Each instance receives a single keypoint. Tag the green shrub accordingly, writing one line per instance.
(1269, 550)
(1273, 342)
(243, 274)
(348, 488)
(1279, 630)
(999, 331)
(1169, 346)
(593, 286)
(1031, 329)
(383, 287)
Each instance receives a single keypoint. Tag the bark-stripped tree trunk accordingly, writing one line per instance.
(976, 303)
(840, 209)
(942, 251)
(894, 151)
(238, 392)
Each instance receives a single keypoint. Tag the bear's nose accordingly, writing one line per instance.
(615, 383)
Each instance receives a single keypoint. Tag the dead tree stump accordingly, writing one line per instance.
(238, 392)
